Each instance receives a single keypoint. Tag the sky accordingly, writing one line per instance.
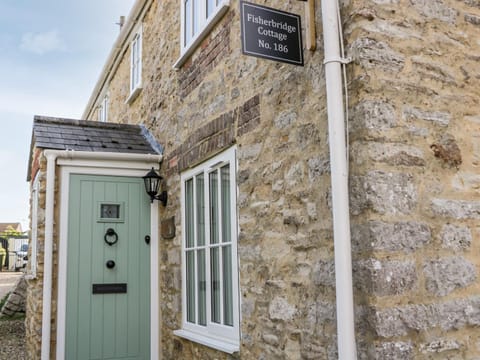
(51, 55)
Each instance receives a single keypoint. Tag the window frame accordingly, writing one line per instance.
(221, 337)
(103, 110)
(135, 64)
(205, 26)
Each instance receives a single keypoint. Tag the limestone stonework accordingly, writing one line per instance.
(15, 303)
(34, 293)
(414, 130)
(34, 303)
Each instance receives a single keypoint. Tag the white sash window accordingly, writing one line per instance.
(103, 110)
(135, 65)
(209, 254)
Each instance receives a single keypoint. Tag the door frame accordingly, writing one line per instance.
(104, 168)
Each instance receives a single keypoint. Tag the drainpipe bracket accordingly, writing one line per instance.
(341, 60)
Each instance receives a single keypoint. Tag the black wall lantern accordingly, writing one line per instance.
(152, 183)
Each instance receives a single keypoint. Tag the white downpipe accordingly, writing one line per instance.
(155, 339)
(52, 156)
(339, 175)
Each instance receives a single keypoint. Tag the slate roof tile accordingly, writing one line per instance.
(83, 135)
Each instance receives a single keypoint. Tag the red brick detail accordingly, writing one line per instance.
(212, 50)
(173, 162)
(249, 116)
(218, 134)
(215, 136)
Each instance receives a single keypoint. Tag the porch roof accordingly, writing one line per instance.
(82, 135)
(93, 136)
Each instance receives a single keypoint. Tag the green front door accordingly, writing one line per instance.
(108, 276)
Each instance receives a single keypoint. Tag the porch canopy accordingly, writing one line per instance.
(91, 136)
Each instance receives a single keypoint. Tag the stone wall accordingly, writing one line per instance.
(414, 156)
(34, 293)
(15, 303)
(34, 301)
(414, 187)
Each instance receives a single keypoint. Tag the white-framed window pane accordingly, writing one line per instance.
(197, 18)
(227, 285)
(202, 288)
(189, 215)
(134, 50)
(214, 211)
(215, 285)
(134, 56)
(225, 204)
(136, 62)
(103, 110)
(211, 6)
(190, 263)
(188, 27)
(200, 210)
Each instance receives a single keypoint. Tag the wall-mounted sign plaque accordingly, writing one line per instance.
(271, 33)
(168, 228)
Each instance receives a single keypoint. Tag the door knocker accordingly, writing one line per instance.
(110, 233)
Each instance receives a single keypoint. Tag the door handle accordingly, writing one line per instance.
(110, 233)
(110, 264)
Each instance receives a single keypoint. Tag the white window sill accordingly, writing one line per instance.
(217, 344)
(30, 276)
(187, 51)
(133, 95)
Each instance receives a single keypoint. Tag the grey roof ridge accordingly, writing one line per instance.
(151, 140)
(95, 124)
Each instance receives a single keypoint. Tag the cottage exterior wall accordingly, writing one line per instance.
(414, 183)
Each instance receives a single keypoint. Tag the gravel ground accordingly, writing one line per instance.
(12, 339)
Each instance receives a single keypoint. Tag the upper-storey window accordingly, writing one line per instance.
(103, 110)
(198, 17)
(135, 65)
